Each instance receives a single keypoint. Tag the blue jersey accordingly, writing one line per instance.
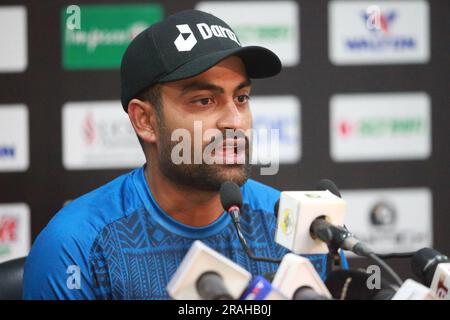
(117, 243)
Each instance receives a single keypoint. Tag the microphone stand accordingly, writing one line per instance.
(334, 261)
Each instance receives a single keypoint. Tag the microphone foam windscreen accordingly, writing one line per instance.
(327, 184)
(230, 195)
(424, 263)
(276, 207)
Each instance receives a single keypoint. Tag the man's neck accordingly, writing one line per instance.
(191, 207)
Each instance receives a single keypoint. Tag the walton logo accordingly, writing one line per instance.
(381, 39)
(379, 21)
(186, 39)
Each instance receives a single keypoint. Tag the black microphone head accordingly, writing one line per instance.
(276, 207)
(424, 263)
(230, 195)
(327, 184)
(210, 286)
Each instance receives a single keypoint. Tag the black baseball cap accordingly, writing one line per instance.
(184, 45)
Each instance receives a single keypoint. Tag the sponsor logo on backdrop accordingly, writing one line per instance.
(104, 33)
(13, 39)
(99, 135)
(282, 113)
(383, 214)
(14, 231)
(370, 127)
(14, 146)
(378, 32)
(274, 25)
(391, 220)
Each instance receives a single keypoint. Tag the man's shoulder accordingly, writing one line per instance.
(87, 215)
(69, 237)
(259, 196)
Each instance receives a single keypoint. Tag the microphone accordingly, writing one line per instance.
(206, 274)
(308, 221)
(327, 184)
(412, 290)
(335, 236)
(311, 222)
(261, 289)
(322, 185)
(231, 199)
(433, 269)
(276, 207)
(210, 286)
(297, 279)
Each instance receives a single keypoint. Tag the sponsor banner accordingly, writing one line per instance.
(274, 25)
(13, 39)
(14, 144)
(282, 113)
(14, 231)
(378, 32)
(391, 220)
(99, 135)
(98, 39)
(372, 127)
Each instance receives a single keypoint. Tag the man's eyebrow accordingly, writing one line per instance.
(246, 83)
(200, 85)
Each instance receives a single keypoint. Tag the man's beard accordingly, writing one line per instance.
(203, 176)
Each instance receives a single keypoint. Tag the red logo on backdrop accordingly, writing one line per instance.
(345, 128)
(385, 21)
(89, 129)
(8, 228)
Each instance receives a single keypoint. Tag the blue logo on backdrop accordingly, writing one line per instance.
(284, 125)
(7, 152)
(379, 37)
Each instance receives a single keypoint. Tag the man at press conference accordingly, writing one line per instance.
(127, 238)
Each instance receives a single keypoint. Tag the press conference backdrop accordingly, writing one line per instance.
(363, 99)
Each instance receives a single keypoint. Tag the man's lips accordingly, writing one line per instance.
(232, 151)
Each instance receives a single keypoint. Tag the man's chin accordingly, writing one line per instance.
(238, 173)
(206, 177)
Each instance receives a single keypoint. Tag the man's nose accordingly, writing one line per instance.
(231, 117)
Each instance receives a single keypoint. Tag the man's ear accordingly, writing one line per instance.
(143, 118)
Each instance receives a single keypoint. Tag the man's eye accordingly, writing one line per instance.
(243, 98)
(203, 101)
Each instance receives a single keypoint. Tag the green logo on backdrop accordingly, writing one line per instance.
(104, 34)
(260, 33)
(391, 127)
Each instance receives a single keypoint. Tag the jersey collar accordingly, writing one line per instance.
(169, 223)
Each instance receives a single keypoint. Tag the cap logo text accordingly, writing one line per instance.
(186, 39)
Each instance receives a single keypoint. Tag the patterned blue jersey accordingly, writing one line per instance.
(117, 243)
